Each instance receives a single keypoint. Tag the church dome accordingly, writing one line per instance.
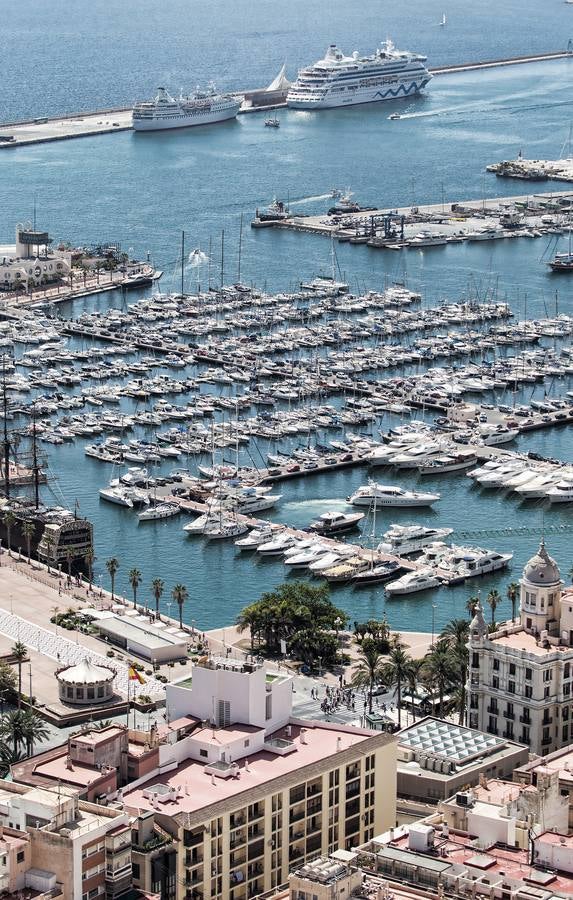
(542, 568)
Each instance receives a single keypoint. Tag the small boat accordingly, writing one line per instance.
(444, 20)
(335, 522)
(159, 511)
(272, 122)
(394, 116)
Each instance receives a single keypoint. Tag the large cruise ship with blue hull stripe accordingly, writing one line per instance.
(339, 80)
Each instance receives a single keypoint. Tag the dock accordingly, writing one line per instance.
(44, 129)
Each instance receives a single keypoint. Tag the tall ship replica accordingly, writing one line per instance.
(201, 108)
(339, 80)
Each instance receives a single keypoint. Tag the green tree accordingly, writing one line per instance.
(455, 637)
(157, 587)
(9, 519)
(369, 670)
(395, 673)
(89, 559)
(7, 683)
(135, 581)
(512, 595)
(22, 729)
(413, 678)
(180, 594)
(493, 599)
(35, 731)
(19, 652)
(439, 672)
(112, 565)
(290, 608)
(28, 530)
(471, 606)
(313, 646)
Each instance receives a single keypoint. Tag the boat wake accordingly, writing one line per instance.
(197, 258)
(302, 200)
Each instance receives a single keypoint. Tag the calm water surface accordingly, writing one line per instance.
(142, 190)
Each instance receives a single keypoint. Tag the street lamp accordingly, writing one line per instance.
(320, 666)
(433, 621)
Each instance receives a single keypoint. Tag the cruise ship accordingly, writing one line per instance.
(339, 80)
(164, 111)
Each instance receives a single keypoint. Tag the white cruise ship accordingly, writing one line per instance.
(339, 80)
(164, 111)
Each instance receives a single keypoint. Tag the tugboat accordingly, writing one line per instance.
(272, 122)
(277, 211)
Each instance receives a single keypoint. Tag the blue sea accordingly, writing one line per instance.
(143, 190)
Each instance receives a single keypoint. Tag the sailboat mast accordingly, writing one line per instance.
(35, 467)
(222, 256)
(209, 262)
(6, 438)
(240, 249)
(182, 262)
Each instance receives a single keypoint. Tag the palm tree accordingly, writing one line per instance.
(368, 671)
(35, 730)
(456, 636)
(19, 652)
(439, 672)
(89, 558)
(493, 599)
(471, 606)
(9, 520)
(396, 673)
(512, 595)
(157, 586)
(135, 581)
(112, 565)
(180, 595)
(48, 543)
(28, 530)
(413, 679)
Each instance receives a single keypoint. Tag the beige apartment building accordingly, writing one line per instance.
(520, 676)
(250, 791)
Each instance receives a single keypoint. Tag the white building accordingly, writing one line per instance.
(520, 676)
(30, 261)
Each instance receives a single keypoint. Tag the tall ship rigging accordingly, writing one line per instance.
(339, 80)
(201, 108)
(58, 536)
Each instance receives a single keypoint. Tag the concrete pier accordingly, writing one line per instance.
(87, 124)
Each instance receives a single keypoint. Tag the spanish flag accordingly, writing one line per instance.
(135, 676)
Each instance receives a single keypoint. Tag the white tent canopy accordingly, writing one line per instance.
(280, 83)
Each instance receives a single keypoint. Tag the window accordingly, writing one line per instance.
(512, 668)
(20, 856)
(546, 693)
(203, 753)
(135, 870)
(528, 691)
(566, 732)
(528, 674)
(268, 707)
(547, 675)
(223, 713)
(566, 670)
(496, 665)
(565, 713)
(511, 687)
(495, 681)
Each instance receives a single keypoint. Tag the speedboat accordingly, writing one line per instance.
(256, 537)
(393, 116)
(390, 495)
(403, 539)
(412, 582)
(378, 574)
(336, 522)
(225, 530)
(277, 545)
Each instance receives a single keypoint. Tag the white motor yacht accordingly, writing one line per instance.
(222, 530)
(336, 522)
(346, 569)
(303, 559)
(412, 582)
(441, 465)
(331, 559)
(520, 478)
(256, 537)
(159, 511)
(536, 489)
(404, 539)
(562, 492)
(390, 495)
(473, 561)
(496, 477)
(277, 545)
(123, 495)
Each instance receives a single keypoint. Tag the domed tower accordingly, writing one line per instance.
(478, 626)
(540, 592)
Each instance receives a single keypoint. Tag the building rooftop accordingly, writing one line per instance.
(140, 633)
(78, 774)
(455, 742)
(521, 640)
(192, 788)
(97, 736)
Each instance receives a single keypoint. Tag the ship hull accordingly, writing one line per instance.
(192, 121)
(359, 97)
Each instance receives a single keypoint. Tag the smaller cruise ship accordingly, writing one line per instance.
(201, 108)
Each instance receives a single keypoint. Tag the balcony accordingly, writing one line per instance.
(546, 741)
(297, 816)
(509, 715)
(492, 730)
(547, 721)
(314, 808)
(237, 840)
(525, 720)
(508, 735)
(236, 821)
(297, 794)
(493, 709)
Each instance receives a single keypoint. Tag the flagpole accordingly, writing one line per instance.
(128, 682)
